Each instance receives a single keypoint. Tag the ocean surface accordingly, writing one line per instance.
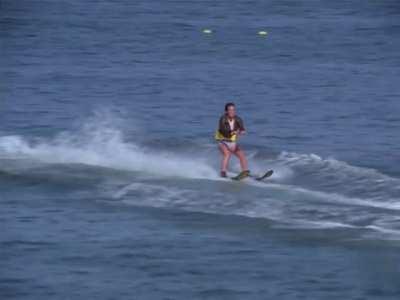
(109, 184)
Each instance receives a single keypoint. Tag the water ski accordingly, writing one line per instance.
(241, 175)
(266, 175)
(245, 174)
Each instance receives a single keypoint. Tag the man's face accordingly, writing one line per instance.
(231, 112)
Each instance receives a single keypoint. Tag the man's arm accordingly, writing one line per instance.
(222, 128)
(241, 126)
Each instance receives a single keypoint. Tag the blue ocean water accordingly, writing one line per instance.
(109, 184)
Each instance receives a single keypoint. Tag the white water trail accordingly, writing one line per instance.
(99, 144)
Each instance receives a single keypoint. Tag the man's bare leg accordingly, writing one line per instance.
(226, 155)
(242, 159)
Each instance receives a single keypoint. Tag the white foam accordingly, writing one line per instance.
(105, 147)
(391, 204)
(333, 166)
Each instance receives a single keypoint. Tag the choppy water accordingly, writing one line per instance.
(109, 182)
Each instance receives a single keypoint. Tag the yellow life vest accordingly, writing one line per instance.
(219, 137)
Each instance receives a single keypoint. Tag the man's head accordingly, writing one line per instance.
(230, 109)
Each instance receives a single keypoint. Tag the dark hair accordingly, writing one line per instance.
(228, 105)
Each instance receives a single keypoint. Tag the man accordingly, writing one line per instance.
(229, 129)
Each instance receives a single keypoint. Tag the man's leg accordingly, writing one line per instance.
(242, 158)
(226, 155)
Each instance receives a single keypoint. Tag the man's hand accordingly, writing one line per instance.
(238, 132)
